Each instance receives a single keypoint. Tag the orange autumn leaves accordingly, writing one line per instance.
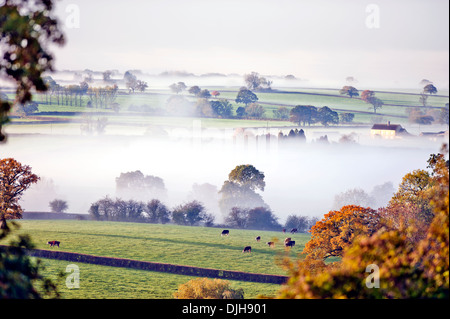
(408, 265)
(338, 229)
(15, 178)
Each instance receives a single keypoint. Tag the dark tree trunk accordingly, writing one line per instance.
(3, 224)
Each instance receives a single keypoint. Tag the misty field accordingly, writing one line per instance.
(396, 105)
(183, 245)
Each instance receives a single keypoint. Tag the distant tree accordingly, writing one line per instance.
(418, 116)
(429, 89)
(203, 108)
(253, 80)
(254, 110)
(262, 218)
(178, 87)
(381, 194)
(240, 189)
(204, 288)
(355, 196)
(246, 96)
(240, 112)
(247, 176)
(117, 210)
(141, 86)
(130, 81)
(58, 206)
(444, 115)
(237, 217)
(15, 179)
(302, 223)
(215, 93)
(303, 114)
(222, 109)
(157, 212)
(423, 99)
(191, 213)
(325, 115)
(137, 185)
(282, 113)
(349, 90)
(205, 94)
(347, 117)
(107, 76)
(27, 28)
(179, 106)
(195, 90)
(369, 97)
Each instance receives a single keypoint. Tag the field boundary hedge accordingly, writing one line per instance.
(158, 267)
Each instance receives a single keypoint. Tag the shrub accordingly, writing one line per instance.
(204, 288)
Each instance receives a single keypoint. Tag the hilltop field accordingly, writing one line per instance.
(184, 245)
(149, 109)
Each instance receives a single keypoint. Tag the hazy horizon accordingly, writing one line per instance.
(382, 44)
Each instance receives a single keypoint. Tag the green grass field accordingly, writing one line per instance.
(396, 105)
(192, 246)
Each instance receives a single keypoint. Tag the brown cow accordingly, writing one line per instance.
(271, 244)
(247, 249)
(287, 240)
(53, 243)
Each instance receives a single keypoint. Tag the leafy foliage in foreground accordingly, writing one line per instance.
(204, 288)
(406, 270)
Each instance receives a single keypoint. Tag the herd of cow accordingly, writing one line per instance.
(288, 242)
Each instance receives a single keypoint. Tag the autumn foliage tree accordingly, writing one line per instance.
(15, 178)
(370, 98)
(204, 288)
(405, 269)
(337, 230)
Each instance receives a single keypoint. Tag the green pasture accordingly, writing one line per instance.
(183, 245)
(396, 112)
(103, 282)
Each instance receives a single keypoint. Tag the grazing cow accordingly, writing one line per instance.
(53, 243)
(287, 240)
(247, 249)
(284, 230)
(258, 238)
(271, 244)
(291, 243)
(225, 232)
(294, 230)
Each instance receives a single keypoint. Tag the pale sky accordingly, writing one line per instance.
(397, 41)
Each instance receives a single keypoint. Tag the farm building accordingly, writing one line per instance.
(388, 131)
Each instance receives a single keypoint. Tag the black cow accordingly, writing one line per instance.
(258, 238)
(225, 232)
(290, 243)
(294, 230)
(284, 230)
(53, 243)
(247, 249)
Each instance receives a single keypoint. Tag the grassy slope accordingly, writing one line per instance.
(271, 101)
(195, 246)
